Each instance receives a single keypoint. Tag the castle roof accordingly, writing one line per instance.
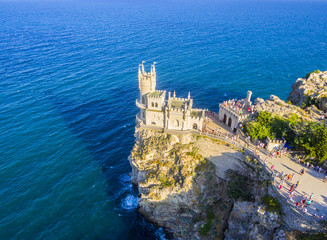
(196, 113)
(156, 93)
(177, 104)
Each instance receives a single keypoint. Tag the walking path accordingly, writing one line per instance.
(311, 182)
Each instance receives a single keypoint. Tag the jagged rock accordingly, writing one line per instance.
(274, 98)
(259, 101)
(280, 235)
(248, 220)
(276, 106)
(310, 90)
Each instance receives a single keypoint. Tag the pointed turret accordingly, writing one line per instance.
(153, 69)
(147, 81)
(189, 96)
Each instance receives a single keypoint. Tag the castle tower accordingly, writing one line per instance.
(147, 81)
(248, 99)
(147, 84)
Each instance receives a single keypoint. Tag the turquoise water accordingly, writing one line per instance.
(68, 83)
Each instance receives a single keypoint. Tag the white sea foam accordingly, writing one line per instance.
(160, 234)
(129, 203)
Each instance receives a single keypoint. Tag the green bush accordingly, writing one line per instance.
(271, 204)
(210, 216)
(310, 137)
(315, 71)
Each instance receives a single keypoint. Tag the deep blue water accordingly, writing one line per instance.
(68, 83)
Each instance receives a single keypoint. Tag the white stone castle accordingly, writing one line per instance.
(155, 111)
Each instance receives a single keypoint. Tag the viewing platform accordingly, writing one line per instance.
(140, 105)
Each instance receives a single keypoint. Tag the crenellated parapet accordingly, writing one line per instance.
(233, 112)
(228, 110)
(274, 144)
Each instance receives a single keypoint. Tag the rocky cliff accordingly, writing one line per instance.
(276, 106)
(200, 188)
(310, 90)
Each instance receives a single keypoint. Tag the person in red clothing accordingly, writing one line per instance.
(292, 187)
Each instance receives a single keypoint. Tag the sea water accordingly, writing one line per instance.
(68, 83)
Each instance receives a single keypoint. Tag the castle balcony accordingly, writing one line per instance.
(139, 120)
(140, 105)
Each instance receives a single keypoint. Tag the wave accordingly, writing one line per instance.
(129, 203)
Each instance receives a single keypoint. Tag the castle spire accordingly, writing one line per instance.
(139, 73)
(143, 67)
(189, 95)
(174, 94)
(153, 69)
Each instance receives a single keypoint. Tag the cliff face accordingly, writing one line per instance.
(192, 196)
(178, 187)
(276, 106)
(311, 90)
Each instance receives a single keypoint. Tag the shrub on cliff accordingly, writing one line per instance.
(271, 204)
(310, 137)
(315, 71)
(210, 216)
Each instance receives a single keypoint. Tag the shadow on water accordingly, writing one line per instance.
(106, 129)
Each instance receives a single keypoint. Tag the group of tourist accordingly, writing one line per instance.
(305, 202)
(260, 145)
(236, 105)
(311, 166)
(285, 177)
(278, 152)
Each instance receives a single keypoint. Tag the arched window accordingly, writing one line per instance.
(225, 118)
(143, 99)
(156, 104)
(152, 104)
(195, 126)
(143, 115)
(153, 123)
(229, 122)
(176, 123)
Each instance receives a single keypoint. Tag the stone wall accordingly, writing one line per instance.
(228, 117)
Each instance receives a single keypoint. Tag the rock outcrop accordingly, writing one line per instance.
(178, 188)
(249, 220)
(276, 106)
(311, 90)
(187, 195)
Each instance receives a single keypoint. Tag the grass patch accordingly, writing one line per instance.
(210, 216)
(271, 204)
